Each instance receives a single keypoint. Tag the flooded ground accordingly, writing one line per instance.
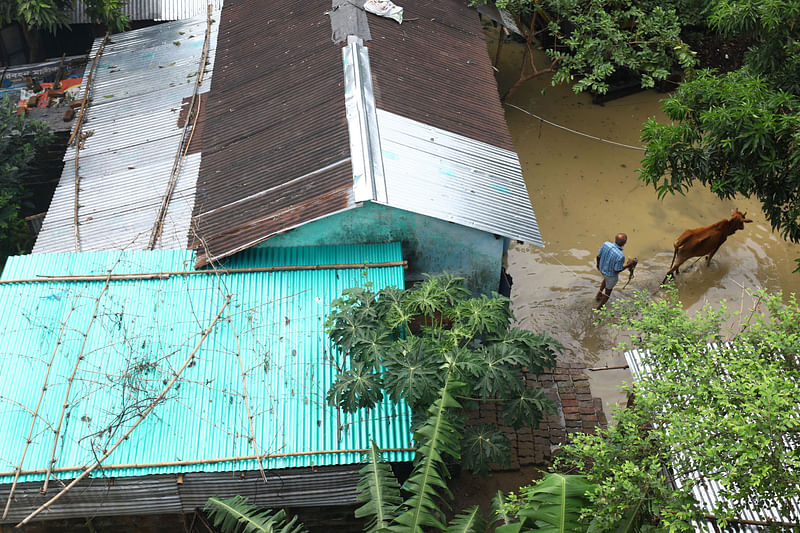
(584, 192)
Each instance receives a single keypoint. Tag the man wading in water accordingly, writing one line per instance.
(610, 262)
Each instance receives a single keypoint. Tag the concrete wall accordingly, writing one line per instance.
(429, 245)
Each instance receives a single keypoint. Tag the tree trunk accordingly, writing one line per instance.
(35, 42)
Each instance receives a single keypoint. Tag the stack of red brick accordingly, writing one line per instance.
(567, 386)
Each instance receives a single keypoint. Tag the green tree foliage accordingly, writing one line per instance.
(235, 515)
(552, 505)
(588, 41)
(50, 15)
(19, 140)
(404, 344)
(716, 405)
(738, 133)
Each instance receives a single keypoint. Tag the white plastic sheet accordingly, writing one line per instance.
(384, 8)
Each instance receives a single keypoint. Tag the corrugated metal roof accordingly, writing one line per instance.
(436, 70)
(161, 494)
(282, 156)
(141, 81)
(276, 151)
(707, 492)
(450, 177)
(145, 329)
(152, 9)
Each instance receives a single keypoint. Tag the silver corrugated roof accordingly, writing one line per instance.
(153, 9)
(708, 492)
(431, 171)
(444, 175)
(140, 83)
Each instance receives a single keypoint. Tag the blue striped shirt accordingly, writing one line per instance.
(611, 259)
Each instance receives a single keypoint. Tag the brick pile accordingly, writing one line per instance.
(567, 386)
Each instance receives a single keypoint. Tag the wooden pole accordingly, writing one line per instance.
(36, 412)
(78, 360)
(165, 275)
(253, 440)
(86, 92)
(214, 460)
(183, 150)
(616, 367)
(501, 36)
(79, 141)
(142, 416)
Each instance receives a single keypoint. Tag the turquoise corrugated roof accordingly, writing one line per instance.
(143, 331)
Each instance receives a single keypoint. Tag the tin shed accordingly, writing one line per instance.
(174, 379)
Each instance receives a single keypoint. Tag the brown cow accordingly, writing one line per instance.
(704, 241)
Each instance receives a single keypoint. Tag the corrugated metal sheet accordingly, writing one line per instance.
(140, 84)
(250, 190)
(152, 9)
(362, 121)
(161, 494)
(144, 329)
(447, 176)
(708, 493)
(276, 152)
(436, 70)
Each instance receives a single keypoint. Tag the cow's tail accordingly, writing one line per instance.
(669, 272)
(674, 255)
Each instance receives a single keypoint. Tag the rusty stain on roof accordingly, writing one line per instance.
(275, 142)
(275, 147)
(436, 69)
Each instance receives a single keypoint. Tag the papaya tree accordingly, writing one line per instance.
(404, 344)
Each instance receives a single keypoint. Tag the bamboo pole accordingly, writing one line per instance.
(615, 367)
(78, 360)
(86, 92)
(183, 150)
(213, 460)
(36, 412)
(142, 416)
(253, 440)
(77, 136)
(166, 275)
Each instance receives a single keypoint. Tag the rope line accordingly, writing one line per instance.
(575, 132)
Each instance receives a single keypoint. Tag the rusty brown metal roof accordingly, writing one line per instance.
(275, 145)
(275, 138)
(435, 68)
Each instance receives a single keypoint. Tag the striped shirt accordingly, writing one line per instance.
(611, 259)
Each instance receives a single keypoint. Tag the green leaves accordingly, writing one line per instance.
(50, 15)
(412, 373)
(236, 515)
(553, 505)
(556, 502)
(438, 439)
(379, 491)
(483, 445)
(356, 388)
(726, 413)
(737, 132)
(405, 344)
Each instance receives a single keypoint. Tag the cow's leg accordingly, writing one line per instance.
(675, 268)
(709, 256)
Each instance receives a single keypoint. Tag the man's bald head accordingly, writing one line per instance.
(621, 239)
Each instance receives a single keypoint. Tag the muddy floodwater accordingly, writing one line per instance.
(584, 192)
